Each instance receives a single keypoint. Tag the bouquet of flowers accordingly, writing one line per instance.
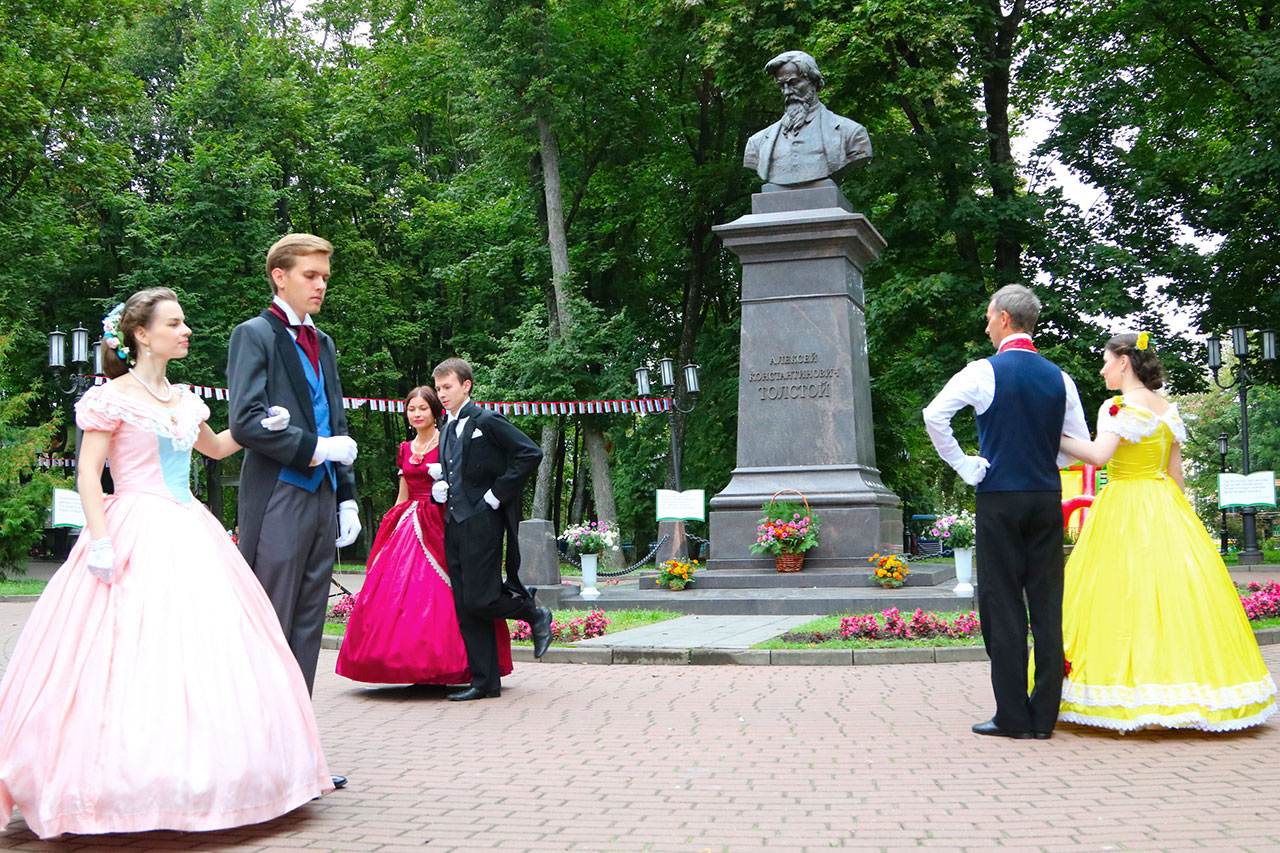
(891, 572)
(591, 537)
(955, 529)
(677, 574)
(786, 528)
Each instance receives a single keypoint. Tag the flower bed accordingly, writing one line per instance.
(888, 629)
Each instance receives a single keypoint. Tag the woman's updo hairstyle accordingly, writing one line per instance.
(118, 329)
(1143, 359)
(427, 393)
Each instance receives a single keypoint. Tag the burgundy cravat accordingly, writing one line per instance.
(307, 338)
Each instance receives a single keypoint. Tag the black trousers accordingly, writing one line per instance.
(1019, 545)
(473, 550)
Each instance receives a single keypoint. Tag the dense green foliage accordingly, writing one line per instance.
(170, 141)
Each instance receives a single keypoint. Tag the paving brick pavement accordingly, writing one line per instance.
(740, 758)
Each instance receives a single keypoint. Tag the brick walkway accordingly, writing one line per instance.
(729, 758)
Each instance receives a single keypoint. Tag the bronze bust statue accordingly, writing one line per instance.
(809, 143)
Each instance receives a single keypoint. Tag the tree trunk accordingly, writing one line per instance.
(549, 149)
(543, 489)
(602, 486)
(999, 37)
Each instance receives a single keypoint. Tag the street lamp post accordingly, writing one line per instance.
(678, 547)
(1249, 552)
(1222, 468)
(80, 381)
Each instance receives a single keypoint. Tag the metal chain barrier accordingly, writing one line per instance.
(641, 563)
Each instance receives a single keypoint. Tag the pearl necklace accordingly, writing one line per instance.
(414, 456)
(168, 388)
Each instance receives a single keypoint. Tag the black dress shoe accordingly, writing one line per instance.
(1042, 735)
(338, 781)
(474, 693)
(990, 728)
(541, 629)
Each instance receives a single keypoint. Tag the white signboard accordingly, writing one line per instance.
(689, 505)
(67, 510)
(1257, 489)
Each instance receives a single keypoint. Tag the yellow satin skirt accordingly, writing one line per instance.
(1153, 628)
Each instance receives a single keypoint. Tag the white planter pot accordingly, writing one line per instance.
(964, 572)
(589, 564)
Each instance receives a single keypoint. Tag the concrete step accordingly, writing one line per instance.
(790, 601)
(922, 575)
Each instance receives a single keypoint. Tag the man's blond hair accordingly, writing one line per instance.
(284, 253)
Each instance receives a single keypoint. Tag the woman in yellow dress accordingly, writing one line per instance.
(1153, 628)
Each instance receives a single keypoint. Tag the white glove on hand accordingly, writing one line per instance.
(348, 523)
(435, 470)
(336, 448)
(973, 469)
(440, 491)
(102, 559)
(491, 499)
(277, 419)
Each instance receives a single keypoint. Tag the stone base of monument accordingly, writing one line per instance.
(922, 575)
(761, 601)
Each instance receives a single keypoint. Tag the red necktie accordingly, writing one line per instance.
(1017, 343)
(307, 338)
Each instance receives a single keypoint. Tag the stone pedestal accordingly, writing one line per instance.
(540, 560)
(804, 398)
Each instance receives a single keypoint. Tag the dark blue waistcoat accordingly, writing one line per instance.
(1020, 431)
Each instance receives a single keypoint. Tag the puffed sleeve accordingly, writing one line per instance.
(95, 412)
(401, 452)
(1129, 422)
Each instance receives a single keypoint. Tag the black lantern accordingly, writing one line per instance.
(667, 372)
(643, 388)
(1239, 341)
(691, 380)
(1268, 345)
(57, 349)
(80, 345)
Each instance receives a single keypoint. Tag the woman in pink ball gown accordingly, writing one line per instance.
(152, 687)
(404, 628)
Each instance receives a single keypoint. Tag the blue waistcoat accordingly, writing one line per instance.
(310, 479)
(1020, 431)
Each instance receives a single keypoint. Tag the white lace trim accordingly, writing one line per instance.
(426, 552)
(1134, 423)
(1142, 695)
(1187, 720)
(180, 427)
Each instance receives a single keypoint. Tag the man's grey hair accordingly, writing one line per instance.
(1022, 305)
(805, 64)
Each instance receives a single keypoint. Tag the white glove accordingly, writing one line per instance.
(277, 419)
(491, 499)
(348, 523)
(435, 470)
(336, 448)
(102, 559)
(973, 469)
(440, 491)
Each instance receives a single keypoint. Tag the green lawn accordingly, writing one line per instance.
(348, 568)
(619, 620)
(21, 586)
(1270, 557)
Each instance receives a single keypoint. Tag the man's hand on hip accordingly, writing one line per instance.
(973, 469)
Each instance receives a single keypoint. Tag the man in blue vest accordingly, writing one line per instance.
(1024, 405)
(297, 496)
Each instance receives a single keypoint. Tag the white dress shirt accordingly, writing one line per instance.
(457, 424)
(975, 386)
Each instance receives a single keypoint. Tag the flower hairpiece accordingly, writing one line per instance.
(1144, 338)
(111, 331)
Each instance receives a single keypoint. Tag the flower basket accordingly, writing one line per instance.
(786, 531)
(789, 562)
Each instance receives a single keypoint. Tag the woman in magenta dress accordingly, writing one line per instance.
(404, 628)
(152, 687)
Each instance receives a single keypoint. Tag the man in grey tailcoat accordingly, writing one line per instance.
(810, 142)
(297, 487)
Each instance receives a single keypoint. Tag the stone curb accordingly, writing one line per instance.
(17, 599)
(607, 655)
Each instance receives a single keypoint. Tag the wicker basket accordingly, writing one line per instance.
(790, 562)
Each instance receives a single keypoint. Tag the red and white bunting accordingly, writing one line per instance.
(641, 406)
